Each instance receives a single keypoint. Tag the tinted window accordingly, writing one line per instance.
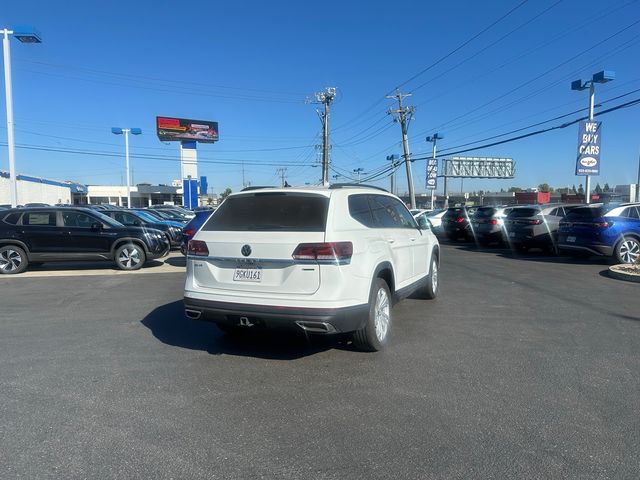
(360, 211)
(12, 218)
(77, 219)
(455, 213)
(390, 213)
(554, 212)
(631, 212)
(485, 212)
(585, 213)
(125, 218)
(271, 211)
(523, 212)
(39, 218)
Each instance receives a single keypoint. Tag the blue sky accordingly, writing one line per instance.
(251, 65)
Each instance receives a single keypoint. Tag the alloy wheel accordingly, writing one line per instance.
(434, 275)
(10, 260)
(381, 312)
(629, 251)
(129, 257)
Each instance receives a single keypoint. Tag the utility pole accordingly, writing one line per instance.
(357, 171)
(434, 140)
(282, 172)
(404, 115)
(394, 166)
(325, 97)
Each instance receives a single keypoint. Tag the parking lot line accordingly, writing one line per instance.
(173, 263)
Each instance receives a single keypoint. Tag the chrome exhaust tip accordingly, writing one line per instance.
(193, 314)
(316, 327)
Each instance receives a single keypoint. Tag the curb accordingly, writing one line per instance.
(629, 277)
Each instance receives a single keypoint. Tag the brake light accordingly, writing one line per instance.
(459, 220)
(493, 221)
(190, 232)
(332, 251)
(602, 224)
(197, 248)
(535, 222)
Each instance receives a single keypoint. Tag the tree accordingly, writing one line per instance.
(226, 193)
(574, 189)
(580, 190)
(514, 189)
(598, 188)
(502, 190)
(544, 187)
(607, 188)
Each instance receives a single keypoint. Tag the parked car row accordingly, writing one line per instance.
(611, 230)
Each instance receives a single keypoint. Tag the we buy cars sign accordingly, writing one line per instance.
(588, 159)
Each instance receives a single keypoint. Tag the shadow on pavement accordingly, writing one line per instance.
(169, 325)
(180, 261)
(80, 265)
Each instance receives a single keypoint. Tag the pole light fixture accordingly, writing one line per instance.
(603, 76)
(24, 35)
(126, 132)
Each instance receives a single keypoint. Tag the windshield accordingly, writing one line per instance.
(264, 211)
(146, 216)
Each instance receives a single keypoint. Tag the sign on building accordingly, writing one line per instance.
(588, 159)
(432, 173)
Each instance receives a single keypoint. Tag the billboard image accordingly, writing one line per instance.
(171, 129)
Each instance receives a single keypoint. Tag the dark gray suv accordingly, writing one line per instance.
(39, 235)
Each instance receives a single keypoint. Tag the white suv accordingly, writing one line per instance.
(321, 259)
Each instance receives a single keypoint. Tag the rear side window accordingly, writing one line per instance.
(359, 209)
(271, 212)
(12, 218)
(39, 219)
(77, 219)
(631, 212)
(390, 213)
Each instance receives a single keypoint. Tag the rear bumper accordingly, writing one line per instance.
(314, 320)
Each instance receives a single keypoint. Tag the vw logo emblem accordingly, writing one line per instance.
(246, 250)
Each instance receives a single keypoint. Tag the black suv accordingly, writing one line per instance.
(456, 222)
(132, 218)
(38, 235)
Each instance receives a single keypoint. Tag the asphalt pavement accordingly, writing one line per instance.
(524, 367)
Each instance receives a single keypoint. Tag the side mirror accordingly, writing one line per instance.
(423, 223)
(96, 226)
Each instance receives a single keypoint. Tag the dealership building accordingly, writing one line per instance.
(142, 195)
(38, 190)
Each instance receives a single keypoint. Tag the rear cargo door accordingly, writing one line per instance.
(251, 239)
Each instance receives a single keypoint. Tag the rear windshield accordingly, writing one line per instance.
(523, 212)
(485, 212)
(271, 212)
(455, 212)
(585, 213)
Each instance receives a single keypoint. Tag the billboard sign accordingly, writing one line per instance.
(432, 173)
(588, 159)
(171, 129)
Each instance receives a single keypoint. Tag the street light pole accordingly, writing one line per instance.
(434, 140)
(9, 103)
(126, 131)
(23, 34)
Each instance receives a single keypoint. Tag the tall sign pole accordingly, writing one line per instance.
(432, 167)
(404, 115)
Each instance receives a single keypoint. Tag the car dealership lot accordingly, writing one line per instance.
(524, 367)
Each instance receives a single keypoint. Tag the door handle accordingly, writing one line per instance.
(413, 239)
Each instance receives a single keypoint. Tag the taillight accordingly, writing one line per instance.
(535, 222)
(332, 251)
(190, 232)
(459, 220)
(602, 224)
(197, 248)
(493, 221)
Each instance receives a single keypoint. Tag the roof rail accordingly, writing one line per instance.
(256, 187)
(363, 185)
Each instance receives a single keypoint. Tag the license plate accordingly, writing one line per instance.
(247, 275)
(571, 239)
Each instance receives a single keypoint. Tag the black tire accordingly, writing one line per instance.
(12, 260)
(374, 335)
(130, 256)
(627, 250)
(430, 290)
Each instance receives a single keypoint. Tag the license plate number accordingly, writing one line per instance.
(571, 239)
(247, 275)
